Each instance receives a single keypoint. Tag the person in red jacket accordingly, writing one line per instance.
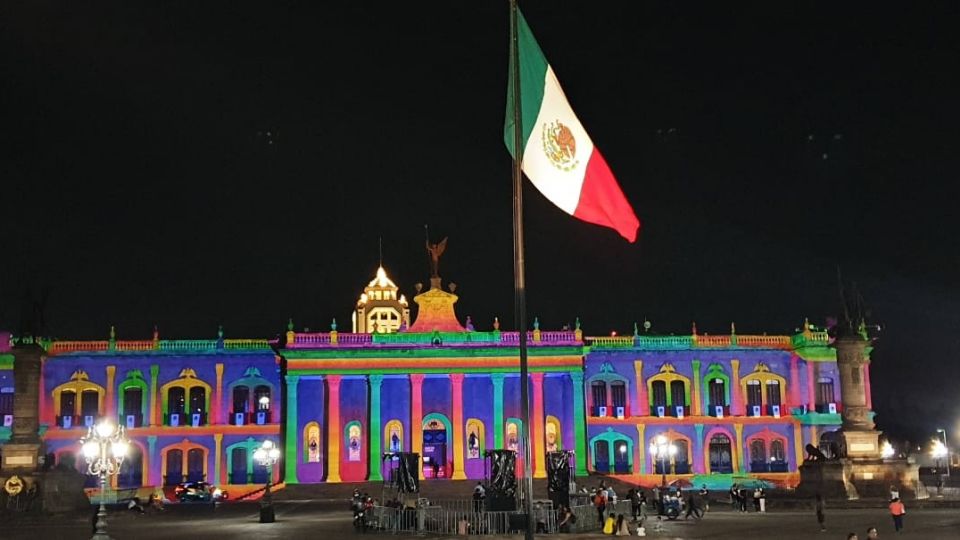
(897, 510)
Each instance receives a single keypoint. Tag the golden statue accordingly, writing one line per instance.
(435, 251)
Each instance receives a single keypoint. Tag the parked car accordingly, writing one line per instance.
(199, 492)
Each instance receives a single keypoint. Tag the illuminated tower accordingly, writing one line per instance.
(379, 309)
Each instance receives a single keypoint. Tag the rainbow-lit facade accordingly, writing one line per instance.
(731, 405)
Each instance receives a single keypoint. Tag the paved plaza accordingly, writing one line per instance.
(331, 521)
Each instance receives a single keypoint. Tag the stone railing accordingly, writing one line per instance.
(163, 345)
(311, 340)
(706, 341)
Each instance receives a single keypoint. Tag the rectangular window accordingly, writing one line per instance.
(773, 392)
(618, 395)
(824, 391)
(659, 394)
(678, 393)
(754, 393)
(599, 393)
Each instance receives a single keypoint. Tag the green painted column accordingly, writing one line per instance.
(579, 423)
(699, 465)
(375, 429)
(290, 432)
(154, 469)
(497, 379)
(697, 403)
(154, 419)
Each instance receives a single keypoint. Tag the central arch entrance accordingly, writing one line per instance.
(436, 446)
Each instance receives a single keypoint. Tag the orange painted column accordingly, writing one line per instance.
(110, 408)
(642, 408)
(736, 393)
(218, 399)
(456, 384)
(537, 431)
(333, 429)
(416, 417)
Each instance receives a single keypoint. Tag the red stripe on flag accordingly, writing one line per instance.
(602, 201)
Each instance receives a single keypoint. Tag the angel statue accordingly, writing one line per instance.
(435, 251)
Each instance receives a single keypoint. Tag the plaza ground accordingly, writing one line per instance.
(331, 520)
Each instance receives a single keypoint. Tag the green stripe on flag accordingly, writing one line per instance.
(533, 71)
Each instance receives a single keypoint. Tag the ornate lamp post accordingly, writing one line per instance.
(104, 448)
(662, 449)
(268, 454)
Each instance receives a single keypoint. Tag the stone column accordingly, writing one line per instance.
(641, 450)
(736, 393)
(497, 379)
(218, 398)
(456, 386)
(579, 423)
(738, 447)
(537, 433)
(794, 390)
(866, 382)
(291, 430)
(154, 409)
(374, 473)
(154, 459)
(416, 417)
(642, 408)
(861, 439)
(218, 458)
(334, 436)
(698, 464)
(110, 410)
(697, 400)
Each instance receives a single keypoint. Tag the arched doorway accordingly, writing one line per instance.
(758, 456)
(174, 467)
(238, 466)
(436, 438)
(131, 470)
(601, 456)
(195, 459)
(721, 454)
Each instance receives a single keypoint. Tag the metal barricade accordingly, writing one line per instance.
(454, 518)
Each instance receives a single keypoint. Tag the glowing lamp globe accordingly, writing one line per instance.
(260, 454)
(91, 449)
(274, 454)
(672, 450)
(939, 450)
(268, 444)
(120, 449)
(886, 450)
(104, 429)
(264, 401)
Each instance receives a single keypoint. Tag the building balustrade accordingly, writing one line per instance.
(308, 340)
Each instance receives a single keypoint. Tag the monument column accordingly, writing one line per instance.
(334, 435)
(374, 473)
(537, 434)
(291, 429)
(858, 432)
(416, 417)
(866, 383)
(497, 379)
(456, 385)
(579, 423)
(22, 451)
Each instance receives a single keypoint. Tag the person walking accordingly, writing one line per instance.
(821, 517)
(634, 503)
(897, 510)
(744, 494)
(692, 508)
(734, 497)
(598, 503)
(705, 497)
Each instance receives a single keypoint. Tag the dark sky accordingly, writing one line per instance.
(761, 144)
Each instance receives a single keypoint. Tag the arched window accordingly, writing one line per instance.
(778, 457)
(681, 463)
(678, 394)
(68, 402)
(176, 400)
(721, 454)
(262, 396)
(174, 467)
(513, 435)
(133, 403)
(758, 456)
(618, 394)
(552, 433)
(773, 392)
(598, 390)
(354, 441)
(195, 464)
(659, 394)
(198, 400)
(475, 438)
(311, 442)
(824, 391)
(718, 392)
(241, 398)
(754, 393)
(89, 403)
(393, 435)
(601, 456)
(238, 466)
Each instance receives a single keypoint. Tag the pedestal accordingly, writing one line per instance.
(20, 457)
(851, 478)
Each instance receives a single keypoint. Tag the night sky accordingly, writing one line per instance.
(761, 146)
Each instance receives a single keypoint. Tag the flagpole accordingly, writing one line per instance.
(519, 276)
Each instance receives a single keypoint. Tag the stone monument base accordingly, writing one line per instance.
(54, 491)
(860, 478)
(18, 456)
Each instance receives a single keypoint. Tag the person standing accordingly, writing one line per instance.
(897, 510)
(744, 494)
(705, 497)
(692, 508)
(821, 517)
(756, 499)
(643, 507)
(734, 497)
(763, 500)
(872, 534)
(894, 492)
(598, 502)
(634, 503)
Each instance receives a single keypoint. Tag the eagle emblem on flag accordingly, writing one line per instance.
(559, 145)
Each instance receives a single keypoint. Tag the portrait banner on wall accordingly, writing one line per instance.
(354, 443)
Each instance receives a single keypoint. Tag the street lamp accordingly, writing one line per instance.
(946, 448)
(267, 455)
(886, 450)
(104, 448)
(662, 449)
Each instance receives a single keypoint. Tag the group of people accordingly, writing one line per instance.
(740, 495)
(362, 506)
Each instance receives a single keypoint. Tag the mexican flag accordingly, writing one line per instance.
(558, 155)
